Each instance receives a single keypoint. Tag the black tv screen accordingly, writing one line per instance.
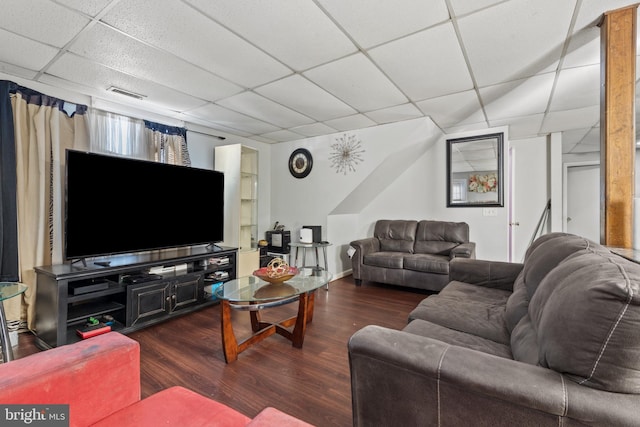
(122, 205)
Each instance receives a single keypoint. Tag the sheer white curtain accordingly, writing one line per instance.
(115, 134)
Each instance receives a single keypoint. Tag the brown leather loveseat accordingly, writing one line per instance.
(411, 253)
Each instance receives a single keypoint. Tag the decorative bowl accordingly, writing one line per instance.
(261, 273)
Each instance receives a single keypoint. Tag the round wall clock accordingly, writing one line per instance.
(300, 163)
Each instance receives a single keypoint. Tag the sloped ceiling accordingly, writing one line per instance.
(282, 70)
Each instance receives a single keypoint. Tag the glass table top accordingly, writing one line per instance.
(251, 289)
(309, 245)
(11, 289)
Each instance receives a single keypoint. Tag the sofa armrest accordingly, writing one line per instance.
(464, 250)
(362, 247)
(491, 274)
(96, 377)
(398, 378)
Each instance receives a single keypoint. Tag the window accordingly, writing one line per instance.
(459, 190)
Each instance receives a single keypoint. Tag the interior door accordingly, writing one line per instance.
(529, 191)
(583, 201)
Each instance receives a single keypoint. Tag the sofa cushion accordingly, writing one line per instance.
(467, 308)
(517, 305)
(385, 259)
(524, 342)
(175, 406)
(396, 235)
(585, 315)
(461, 339)
(427, 263)
(271, 417)
(439, 237)
(541, 257)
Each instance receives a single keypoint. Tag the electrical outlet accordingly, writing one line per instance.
(489, 211)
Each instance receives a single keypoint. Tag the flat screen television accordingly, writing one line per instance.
(120, 205)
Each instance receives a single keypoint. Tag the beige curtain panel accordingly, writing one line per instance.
(42, 134)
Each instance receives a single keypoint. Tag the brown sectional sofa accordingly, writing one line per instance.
(554, 341)
(411, 253)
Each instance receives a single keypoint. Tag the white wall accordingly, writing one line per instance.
(403, 176)
(202, 153)
(489, 232)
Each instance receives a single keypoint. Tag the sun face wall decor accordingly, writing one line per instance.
(346, 154)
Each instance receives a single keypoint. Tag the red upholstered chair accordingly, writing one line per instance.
(100, 380)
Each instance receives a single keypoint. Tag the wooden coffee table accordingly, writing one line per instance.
(253, 294)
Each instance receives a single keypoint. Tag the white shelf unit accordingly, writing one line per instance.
(239, 164)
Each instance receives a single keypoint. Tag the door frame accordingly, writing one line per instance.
(565, 179)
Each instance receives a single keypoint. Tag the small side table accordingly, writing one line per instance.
(315, 246)
(7, 290)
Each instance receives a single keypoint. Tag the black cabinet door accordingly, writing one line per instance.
(147, 302)
(184, 292)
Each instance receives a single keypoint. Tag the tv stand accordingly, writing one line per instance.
(67, 294)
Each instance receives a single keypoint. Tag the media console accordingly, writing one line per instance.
(127, 288)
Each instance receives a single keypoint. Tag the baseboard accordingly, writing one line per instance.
(342, 274)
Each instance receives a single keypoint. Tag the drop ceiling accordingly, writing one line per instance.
(283, 70)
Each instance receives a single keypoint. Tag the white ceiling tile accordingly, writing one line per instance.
(216, 126)
(592, 137)
(590, 12)
(395, 114)
(583, 148)
(36, 23)
(356, 81)
(567, 146)
(464, 7)
(188, 53)
(232, 119)
(90, 7)
(451, 110)
(576, 88)
(257, 106)
(303, 96)
(438, 69)
(298, 33)
(583, 49)
(13, 70)
(263, 139)
(314, 129)
(517, 98)
(572, 119)
(87, 73)
(13, 48)
(520, 127)
(357, 121)
(516, 39)
(374, 22)
(113, 49)
(590, 143)
(197, 39)
(572, 137)
(465, 128)
(282, 135)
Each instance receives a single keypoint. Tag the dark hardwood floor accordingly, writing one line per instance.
(311, 383)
